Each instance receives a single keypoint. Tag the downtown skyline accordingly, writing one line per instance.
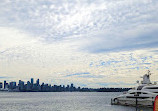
(89, 43)
(35, 86)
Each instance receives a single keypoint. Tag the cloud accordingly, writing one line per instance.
(90, 76)
(105, 26)
(123, 41)
(114, 83)
(53, 20)
(78, 41)
(13, 38)
(78, 74)
(5, 77)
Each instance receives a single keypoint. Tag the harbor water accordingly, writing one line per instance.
(61, 101)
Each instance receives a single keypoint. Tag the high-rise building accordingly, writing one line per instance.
(1, 84)
(21, 85)
(68, 88)
(28, 87)
(35, 87)
(5, 84)
(12, 85)
(37, 82)
(72, 85)
(32, 81)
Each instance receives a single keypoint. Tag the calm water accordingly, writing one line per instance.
(60, 101)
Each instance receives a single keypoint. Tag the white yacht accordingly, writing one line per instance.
(142, 95)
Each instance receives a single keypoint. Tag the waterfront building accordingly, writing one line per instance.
(72, 87)
(1, 85)
(64, 89)
(28, 86)
(5, 84)
(42, 87)
(34, 88)
(39, 88)
(68, 88)
(32, 81)
(78, 88)
(12, 85)
(37, 82)
(21, 86)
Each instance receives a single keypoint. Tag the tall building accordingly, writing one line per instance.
(28, 87)
(72, 85)
(12, 85)
(5, 84)
(21, 85)
(37, 82)
(1, 84)
(68, 88)
(32, 81)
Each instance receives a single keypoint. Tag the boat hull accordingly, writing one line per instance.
(133, 102)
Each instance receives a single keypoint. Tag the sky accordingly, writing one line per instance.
(91, 43)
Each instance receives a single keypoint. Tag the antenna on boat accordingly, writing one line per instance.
(149, 73)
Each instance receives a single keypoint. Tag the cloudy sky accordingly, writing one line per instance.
(91, 43)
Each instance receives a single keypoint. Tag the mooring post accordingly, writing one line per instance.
(136, 103)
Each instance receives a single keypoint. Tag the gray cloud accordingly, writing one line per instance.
(60, 19)
(138, 38)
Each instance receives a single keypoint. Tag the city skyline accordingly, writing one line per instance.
(35, 86)
(95, 44)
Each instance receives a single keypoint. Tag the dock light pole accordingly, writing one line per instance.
(156, 104)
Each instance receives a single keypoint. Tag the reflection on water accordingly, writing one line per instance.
(61, 101)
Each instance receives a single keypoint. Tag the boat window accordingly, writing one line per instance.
(135, 93)
(144, 93)
(151, 88)
(138, 92)
(140, 87)
(138, 97)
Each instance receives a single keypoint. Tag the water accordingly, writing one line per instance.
(60, 101)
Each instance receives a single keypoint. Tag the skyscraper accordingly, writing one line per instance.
(12, 85)
(21, 85)
(37, 82)
(5, 84)
(72, 85)
(28, 86)
(1, 85)
(32, 81)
